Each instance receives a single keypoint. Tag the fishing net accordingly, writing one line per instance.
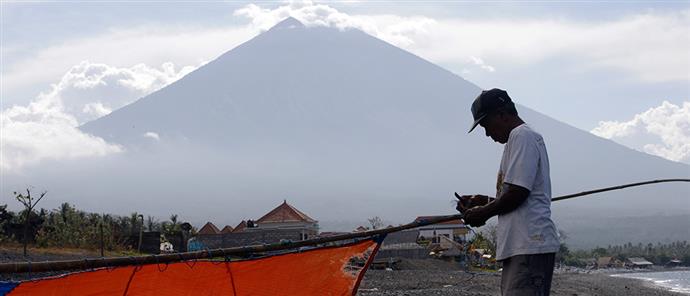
(335, 270)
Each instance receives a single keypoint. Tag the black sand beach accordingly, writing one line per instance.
(447, 281)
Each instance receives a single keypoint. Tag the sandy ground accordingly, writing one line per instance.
(427, 282)
(449, 281)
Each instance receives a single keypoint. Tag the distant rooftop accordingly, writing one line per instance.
(285, 213)
(639, 261)
(209, 228)
(227, 229)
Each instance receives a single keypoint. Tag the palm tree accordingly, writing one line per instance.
(152, 224)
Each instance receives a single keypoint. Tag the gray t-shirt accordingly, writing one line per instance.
(527, 229)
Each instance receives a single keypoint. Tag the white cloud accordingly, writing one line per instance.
(91, 90)
(96, 109)
(152, 135)
(667, 125)
(650, 47)
(47, 127)
(42, 130)
(119, 47)
(400, 31)
(479, 62)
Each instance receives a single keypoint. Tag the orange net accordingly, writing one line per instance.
(321, 271)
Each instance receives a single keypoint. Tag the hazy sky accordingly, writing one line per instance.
(618, 69)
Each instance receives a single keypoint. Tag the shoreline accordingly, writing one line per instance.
(569, 269)
(651, 282)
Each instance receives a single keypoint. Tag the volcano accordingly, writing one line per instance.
(347, 127)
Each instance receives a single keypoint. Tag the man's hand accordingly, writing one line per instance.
(510, 200)
(466, 202)
(475, 217)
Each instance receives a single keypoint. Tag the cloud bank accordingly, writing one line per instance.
(117, 47)
(650, 46)
(667, 124)
(400, 31)
(91, 90)
(47, 127)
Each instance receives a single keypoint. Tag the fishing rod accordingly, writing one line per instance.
(91, 263)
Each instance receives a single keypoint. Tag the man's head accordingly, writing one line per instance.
(495, 112)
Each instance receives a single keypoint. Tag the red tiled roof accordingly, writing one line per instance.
(226, 229)
(456, 221)
(240, 227)
(209, 228)
(285, 213)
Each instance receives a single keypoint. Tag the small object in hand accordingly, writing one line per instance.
(464, 202)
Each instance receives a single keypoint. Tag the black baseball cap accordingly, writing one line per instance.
(487, 102)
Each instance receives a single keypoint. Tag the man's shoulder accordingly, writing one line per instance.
(524, 131)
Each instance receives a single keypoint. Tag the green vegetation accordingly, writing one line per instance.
(68, 227)
(659, 254)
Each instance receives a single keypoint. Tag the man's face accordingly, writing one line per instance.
(495, 127)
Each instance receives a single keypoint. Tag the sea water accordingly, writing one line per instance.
(677, 281)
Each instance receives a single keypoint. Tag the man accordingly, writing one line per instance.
(526, 236)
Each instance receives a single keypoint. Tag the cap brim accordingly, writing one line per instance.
(476, 122)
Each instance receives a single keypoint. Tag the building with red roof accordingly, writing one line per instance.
(284, 222)
(209, 228)
(227, 229)
(240, 227)
(453, 229)
(285, 216)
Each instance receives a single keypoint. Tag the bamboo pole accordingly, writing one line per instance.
(617, 188)
(20, 267)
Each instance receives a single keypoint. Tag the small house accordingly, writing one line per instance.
(287, 217)
(638, 262)
(454, 229)
(674, 263)
(605, 262)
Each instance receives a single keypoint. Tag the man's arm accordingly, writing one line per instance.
(510, 200)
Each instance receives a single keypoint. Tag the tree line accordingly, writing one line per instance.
(69, 227)
(659, 253)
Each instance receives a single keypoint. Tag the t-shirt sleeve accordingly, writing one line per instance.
(523, 162)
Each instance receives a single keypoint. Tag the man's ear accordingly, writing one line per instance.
(501, 115)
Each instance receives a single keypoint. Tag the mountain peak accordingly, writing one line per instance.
(288, 23)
